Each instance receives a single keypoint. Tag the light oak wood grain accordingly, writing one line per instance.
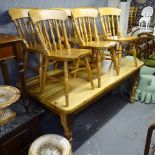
(81, 93)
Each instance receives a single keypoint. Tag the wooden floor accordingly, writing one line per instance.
(81, 93)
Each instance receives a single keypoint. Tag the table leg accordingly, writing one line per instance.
(134, 86)
(5, 72)
(66, 123)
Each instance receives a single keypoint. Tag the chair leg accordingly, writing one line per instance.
(98, 67)
(77, 66)
(25, 59)
(66, 83)
(134, 54)
(44, 75)
(40, 71)
(89, 72)
(148, 139)
(119, 55)
(56, 66)
(113, 54)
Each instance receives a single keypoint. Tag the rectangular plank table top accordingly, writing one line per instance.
(81, 93)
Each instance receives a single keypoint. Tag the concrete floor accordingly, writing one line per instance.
(111, 126)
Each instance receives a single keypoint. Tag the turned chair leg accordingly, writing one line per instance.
(66, 83)
(25, 59)
(89, 72)
(98, 67)
(44, 75)
(148, 138)
(135, 54)
(114, 60)
(40, 71)
(77, 66)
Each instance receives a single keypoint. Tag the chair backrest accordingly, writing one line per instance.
(147, 11)
(69, 23)
(50, 28)
(23, 25)
(110, 21)
(85, 24)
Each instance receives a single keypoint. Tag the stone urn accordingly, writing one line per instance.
(8, 96)
(50, 144)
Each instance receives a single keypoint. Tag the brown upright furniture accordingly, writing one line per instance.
(10, 47)
(132, 18)
(87, 33)
(146, 40)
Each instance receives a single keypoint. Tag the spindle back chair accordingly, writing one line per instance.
(51, 30)
(110, 21)
(87, 33)
(85, 23)
(31, 45)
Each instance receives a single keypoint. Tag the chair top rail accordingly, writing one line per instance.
(44, 14)
(17, 13)
(68, 10)
(109, 11)
(84, 12)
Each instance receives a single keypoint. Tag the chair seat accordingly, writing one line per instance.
(146, 19)
(69, 54)
(99, 45)
(122, 39)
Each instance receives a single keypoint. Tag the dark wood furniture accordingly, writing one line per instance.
(17, 135)
(146, 45)
(148, 140)
(10, 47)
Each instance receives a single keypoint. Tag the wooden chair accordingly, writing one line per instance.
(30, 41)
(48, 24)
(110, 21)
(87, 33)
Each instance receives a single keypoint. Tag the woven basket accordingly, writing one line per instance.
(8, 95)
